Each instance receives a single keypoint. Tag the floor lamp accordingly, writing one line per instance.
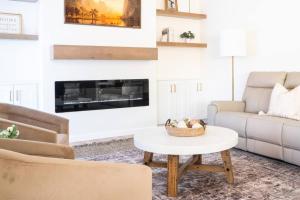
(233, 44)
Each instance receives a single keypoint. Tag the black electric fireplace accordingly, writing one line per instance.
(71, 96)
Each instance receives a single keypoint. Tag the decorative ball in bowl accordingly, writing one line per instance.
(185, 128)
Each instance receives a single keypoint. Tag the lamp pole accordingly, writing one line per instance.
(232, 76)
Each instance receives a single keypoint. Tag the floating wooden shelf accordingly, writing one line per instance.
(74, 52)
(18, 36)
(31, 1)
(168, 13)
(182, 44)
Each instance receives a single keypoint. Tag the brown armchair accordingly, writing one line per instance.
(37, 119)
(31, 177)
(41, 134)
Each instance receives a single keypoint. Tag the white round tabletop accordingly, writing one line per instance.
(214, 140)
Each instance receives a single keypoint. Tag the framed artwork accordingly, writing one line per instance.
(118, 13)
(171, 5)
(10, 23)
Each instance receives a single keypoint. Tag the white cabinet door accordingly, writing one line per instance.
(181, 95)
(180, 99)
(7, 94)
(26, 95)
(195, 99)
(167, 101)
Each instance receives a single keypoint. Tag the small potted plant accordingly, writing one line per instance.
(187, 36)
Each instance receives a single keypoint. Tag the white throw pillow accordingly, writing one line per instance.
(285, 103)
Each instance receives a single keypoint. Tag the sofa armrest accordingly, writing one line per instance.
(37, 148)
(48, 178)
(29, 132)
(224, 106)
(229, 106)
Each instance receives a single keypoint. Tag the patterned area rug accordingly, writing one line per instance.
(256, 177)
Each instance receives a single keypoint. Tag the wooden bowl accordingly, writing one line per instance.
(184, 132)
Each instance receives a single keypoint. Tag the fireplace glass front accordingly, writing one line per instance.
(71, 96)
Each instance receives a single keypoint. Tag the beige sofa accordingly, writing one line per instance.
(31, 177)
(266, 135)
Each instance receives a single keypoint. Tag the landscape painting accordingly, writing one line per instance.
(120, 13)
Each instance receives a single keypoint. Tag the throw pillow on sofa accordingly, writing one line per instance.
(285, 103)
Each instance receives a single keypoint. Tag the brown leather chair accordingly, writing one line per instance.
(41, 133)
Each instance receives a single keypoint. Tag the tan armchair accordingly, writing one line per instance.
(45, 123)
(31, 177)
(41, 134)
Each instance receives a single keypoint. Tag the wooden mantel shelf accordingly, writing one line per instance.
(168, 13)
(18, 36)
(76, 52)
(182, 44)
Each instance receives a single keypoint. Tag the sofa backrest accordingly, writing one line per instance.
(292, 80)
(259, 88)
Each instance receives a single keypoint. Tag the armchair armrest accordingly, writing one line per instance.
(37, 148)
(34, 117)
(29, 132)
(48, 178)
(224, 106)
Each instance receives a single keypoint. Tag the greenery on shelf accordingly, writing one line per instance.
(187, 35)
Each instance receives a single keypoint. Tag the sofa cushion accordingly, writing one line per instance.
(265, 79)
(291, 134)
(265, 128)
(291, 156)
(265, 148)
(233, 120)
(257, 99)
(258, 90)
(292, 80)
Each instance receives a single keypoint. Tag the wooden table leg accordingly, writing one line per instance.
(148, 157)
(199, 159)
(227, 166)
(173, 164)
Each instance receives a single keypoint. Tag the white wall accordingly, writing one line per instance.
(102, 123)
(273, 40)
(20, 60)
(181, 63)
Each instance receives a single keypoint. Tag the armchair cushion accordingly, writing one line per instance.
(37, 148)
(48, 178)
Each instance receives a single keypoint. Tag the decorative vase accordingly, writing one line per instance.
(187, 40)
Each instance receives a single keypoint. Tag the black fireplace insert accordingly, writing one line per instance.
(71, 96)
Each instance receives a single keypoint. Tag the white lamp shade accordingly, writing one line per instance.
(233, 43)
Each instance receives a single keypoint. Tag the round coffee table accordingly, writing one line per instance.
(216, 139)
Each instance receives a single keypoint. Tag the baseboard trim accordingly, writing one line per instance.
(87, 138)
